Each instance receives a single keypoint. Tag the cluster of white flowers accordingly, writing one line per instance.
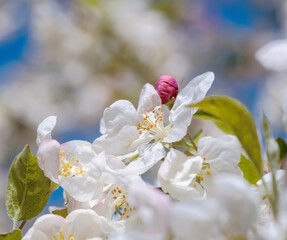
(198, 191)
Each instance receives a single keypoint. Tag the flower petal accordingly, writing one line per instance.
(181, 115)
(222, 153)
(45, 128)
(45, 227)
(177, 173)
(238, 202)
(84, 224)
(48, 158)
(123, 142)
(273, 55)
(81, 188)
(116, 116)
(149, 155)
(81, 149)
(148, 100)
(196, 220)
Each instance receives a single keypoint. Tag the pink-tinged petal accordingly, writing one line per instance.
(45, 128)
(181, 115)
(117, 115)
(148, 100)
(48, 158)
(167, 88)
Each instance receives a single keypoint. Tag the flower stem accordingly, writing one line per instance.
(192, 142)
(14, 224)
(22, 224)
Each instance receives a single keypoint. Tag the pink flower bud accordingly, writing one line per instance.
(166, 87)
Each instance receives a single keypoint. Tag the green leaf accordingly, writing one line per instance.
(234, 118)
(249, 172)
(197, 136)
(272, 147)
(61, 212)
(283, 148)
(28, 188)
(219, 123)
(14, 235)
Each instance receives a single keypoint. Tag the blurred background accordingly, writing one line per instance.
(73, 58)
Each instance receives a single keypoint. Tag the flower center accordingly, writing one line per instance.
(70, 168)
(203, 173)
(153, 124)
(122, 208)
(60, 236)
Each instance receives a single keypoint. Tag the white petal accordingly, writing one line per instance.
(116, 116)
(239, 203)
(151, 205)
(222, 153)
(45, 227)
(34, 234)
(149, 155)
(181, 115)
(196, 220)
(84, 224)
(273, 55)
(45, 128)
(81, 149)
(280, 181)
(122, 142)
(72, 204)
(49, 158)
(181, 120)
(148, 100)
(177, 173)
(81, 188)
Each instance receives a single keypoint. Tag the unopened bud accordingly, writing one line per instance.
(167, 88)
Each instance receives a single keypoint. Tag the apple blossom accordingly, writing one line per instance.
(237, 202)
(196, 219)
(69, 164)
(264, 189)
(78, 225)
(124, 128)
(191, 176)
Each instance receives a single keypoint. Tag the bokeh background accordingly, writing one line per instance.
(73, 58)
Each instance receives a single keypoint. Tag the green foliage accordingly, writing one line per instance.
(273, 155)
(61, 212)
(197, 136)
(272, 147)
(283, 148)
(28, 188)
(249, 172)
(14, 235)
(233, 117)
